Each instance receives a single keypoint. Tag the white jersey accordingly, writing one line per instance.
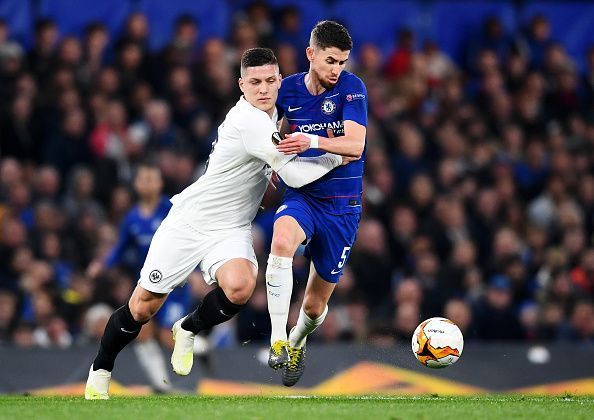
(229, 193)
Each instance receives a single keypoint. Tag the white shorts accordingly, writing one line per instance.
(177, 249)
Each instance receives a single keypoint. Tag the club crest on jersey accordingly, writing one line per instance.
(276, 138)
(328, 107)
(155, 276)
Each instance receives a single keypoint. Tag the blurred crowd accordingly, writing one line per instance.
(478, 192)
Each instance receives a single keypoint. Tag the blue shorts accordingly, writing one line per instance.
(330, 237)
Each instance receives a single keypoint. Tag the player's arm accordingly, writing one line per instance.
(351, 144)
(301, 171)
(295, 170)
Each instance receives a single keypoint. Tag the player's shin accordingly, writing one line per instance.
(215, 309)
(279, 287)
(305, 326)
(120, 330)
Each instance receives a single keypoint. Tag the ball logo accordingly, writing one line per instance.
(155, 276)
(328, 107)
(276, 138)
(349, 97)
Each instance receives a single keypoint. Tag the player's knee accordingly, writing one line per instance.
(313, 308)
(141, 310)
(282, 245)
(240, 290)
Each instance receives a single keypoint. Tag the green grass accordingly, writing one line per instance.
(309, 408)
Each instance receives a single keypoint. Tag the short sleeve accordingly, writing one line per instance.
(256, 133)
(354, 96)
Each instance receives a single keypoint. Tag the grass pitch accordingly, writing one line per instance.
(306, 408)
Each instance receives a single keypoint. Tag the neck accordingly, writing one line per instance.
(148, 204)
(312, 83)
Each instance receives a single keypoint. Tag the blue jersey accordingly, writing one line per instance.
(136, 233)
(340, 190)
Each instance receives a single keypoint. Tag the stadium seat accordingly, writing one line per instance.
(571, 24)
(213, 18)
(467, 17)
(72, 16)
(18, 15)
(379, 23)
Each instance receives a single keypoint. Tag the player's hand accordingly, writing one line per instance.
(347, 159)
(294, 144)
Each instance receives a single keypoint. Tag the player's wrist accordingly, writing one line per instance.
(314, 139)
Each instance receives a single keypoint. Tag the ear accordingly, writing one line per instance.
(240, 83)
(309, 52)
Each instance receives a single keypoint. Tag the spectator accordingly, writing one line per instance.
(495, 316)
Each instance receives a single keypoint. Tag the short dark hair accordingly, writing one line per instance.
(328, 33)
(255, 57)
(149, 164)
(43, 24)
(185, 19)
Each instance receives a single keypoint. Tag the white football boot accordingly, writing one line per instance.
(97, 387)
(182, 357)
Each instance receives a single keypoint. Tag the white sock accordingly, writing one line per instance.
(305, 326)
(153, 363)
(279, 287)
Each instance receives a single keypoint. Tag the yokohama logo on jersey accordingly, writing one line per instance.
(336, 126)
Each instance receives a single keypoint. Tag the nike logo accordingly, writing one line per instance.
(335, 271)
(126, 331)
(224, 314)
(289, 109)
(273, 285)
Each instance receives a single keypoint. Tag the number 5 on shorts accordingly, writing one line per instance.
(344, 256)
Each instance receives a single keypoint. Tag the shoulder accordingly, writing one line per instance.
(293, 79)
(351, 81)
(291, 82)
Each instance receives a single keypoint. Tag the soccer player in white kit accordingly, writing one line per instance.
(209, 224)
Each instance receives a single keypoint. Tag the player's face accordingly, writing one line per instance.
(327, 64)
(148, 182)
(260, 86)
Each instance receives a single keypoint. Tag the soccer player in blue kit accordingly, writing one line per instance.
(325, 109)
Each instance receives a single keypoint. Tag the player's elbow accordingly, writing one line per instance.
(357, 151)
(356, 154)
(291, 178)
(293, 182)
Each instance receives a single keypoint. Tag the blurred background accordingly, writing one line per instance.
(478, 191)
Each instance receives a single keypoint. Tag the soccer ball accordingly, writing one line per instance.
(437, 343)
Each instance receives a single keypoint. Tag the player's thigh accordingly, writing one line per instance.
(317, 294)
(287, 236)
(231, 262)
(175, 250)
(237, 278)
(330, 247)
